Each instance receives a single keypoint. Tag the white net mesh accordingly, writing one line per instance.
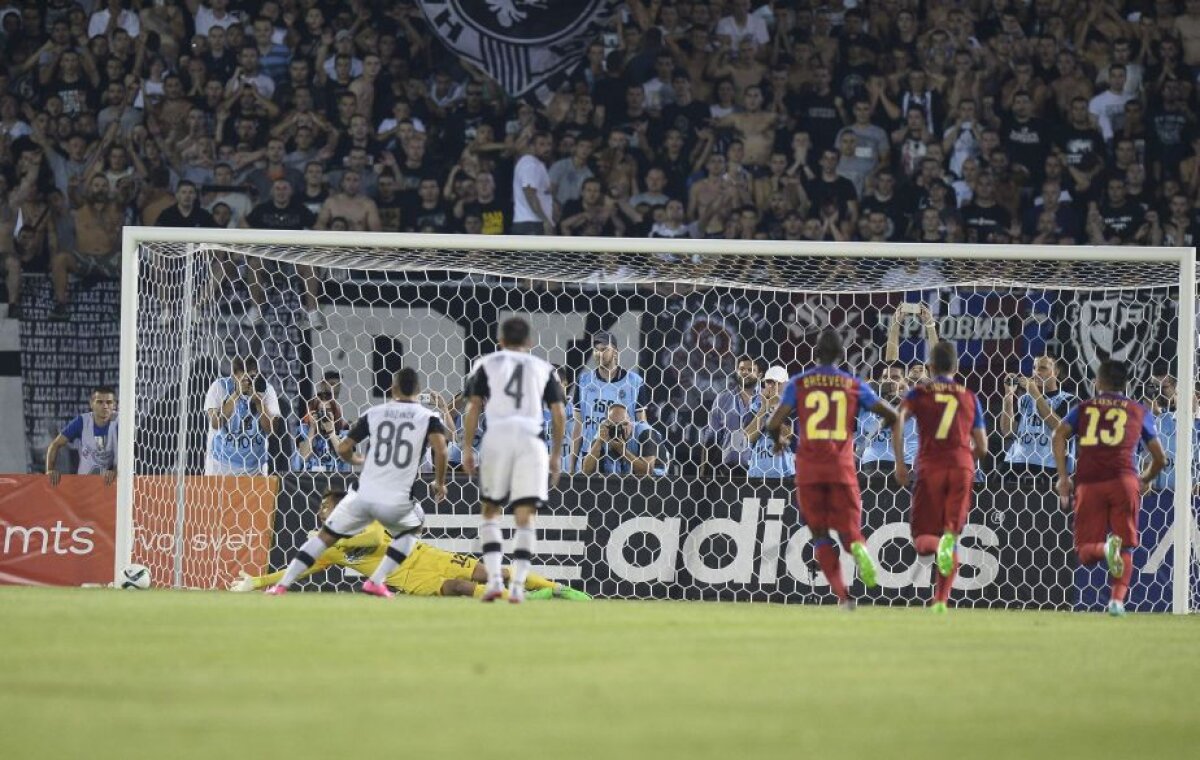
(717, 518)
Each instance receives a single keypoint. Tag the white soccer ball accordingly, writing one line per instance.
(135, 577)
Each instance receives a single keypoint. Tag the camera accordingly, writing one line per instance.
(1011, 380)
(425, 398)
(260, 384)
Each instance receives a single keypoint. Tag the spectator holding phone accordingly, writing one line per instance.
(241, 411)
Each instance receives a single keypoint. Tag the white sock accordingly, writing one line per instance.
(493, 554)
(309, 553)
(397, 552)
(524, 543)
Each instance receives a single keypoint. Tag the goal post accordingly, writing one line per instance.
(674, 304)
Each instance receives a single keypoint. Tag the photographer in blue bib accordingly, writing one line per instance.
(318, 432)
(94, 435)
(624, 445)
(1028, 420)
(241, 411)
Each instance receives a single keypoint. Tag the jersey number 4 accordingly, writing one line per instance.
(1112, 434)
(820, 403)
(390, 445)
(515, 387)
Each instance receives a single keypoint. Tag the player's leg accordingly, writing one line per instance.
(495, 482)
(955, 499)
(404, 522)
(926, 521)
(846, 503)
(1091, 523)
(530, 478)
(306, 556)
(1123, 517)
(814, 507)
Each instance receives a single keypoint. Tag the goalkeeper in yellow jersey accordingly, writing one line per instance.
(427, 571)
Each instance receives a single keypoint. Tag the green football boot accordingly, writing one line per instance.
(938, 608)
(866, 567)
(945, 554)
(541, 593)
(572, 595)
(1112, 555)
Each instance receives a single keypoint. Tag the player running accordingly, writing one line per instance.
(511, 386)
(428, 571)
(399, 431)
(953, 437)
(1108, 488)
(826, 400)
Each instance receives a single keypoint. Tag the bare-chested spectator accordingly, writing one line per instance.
(755, 126)
(358, 210)
(97, 251)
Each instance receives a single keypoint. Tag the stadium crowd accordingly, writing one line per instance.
(1051, 121)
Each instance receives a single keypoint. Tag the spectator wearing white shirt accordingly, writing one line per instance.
(216, 13)
(742, 24)
(102, 23)
(533, 205)
(1109, 106)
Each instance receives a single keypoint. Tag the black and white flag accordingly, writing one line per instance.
(522, 44)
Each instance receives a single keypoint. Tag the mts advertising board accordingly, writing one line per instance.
(63, 535)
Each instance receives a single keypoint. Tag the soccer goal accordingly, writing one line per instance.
(317, 322)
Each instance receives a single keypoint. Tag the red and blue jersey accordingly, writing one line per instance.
(946, 413)
(827, 401)
(1108, 429)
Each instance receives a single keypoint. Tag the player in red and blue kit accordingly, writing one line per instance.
(1108, 487)
(826, 401)
(952, 438)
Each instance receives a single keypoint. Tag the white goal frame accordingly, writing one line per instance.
(134, 236)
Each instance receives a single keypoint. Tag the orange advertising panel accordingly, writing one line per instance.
(227, 526)
(63, 536)
(58, 536)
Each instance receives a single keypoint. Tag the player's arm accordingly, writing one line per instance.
(931, 333)
(1008, 409)
(889, 415)
(757, 424)
(256, 582)
(554, 399)
(979, 447)
(345, 446)
(891, 350)
(898, 445)
(779, 417)
(437, 447)
(476, 391)
(1158, 460)
(1058, 445)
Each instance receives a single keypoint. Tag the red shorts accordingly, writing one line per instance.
(1110, 506)
(941, 500)
(832, 506)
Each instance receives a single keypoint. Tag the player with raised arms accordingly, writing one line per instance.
(952, 437)
(1108, 487)
(825, 400)
(511, 386)
(399, 431)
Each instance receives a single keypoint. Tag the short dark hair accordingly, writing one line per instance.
(337, 493)
(514, 331)
(243, 363)
(829, 347)
(407, 381)
(104, 390)
(759, 363)
(1113, 373)
(943, 357)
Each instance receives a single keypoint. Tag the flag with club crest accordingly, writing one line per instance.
(525, 45)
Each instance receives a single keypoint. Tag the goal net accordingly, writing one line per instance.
(699, 509)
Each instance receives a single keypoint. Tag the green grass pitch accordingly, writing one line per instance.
(159, 674)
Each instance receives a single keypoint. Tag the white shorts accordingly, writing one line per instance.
(514, 466)
(353, 514)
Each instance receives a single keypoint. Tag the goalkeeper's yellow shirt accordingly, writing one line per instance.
(422, 574)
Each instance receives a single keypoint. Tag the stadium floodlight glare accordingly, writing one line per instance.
(435, 300)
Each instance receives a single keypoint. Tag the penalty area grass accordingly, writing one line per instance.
(125, 674)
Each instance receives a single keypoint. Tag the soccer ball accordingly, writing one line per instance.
(135, 577)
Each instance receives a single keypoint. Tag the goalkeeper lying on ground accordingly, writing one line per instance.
(428, 571)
